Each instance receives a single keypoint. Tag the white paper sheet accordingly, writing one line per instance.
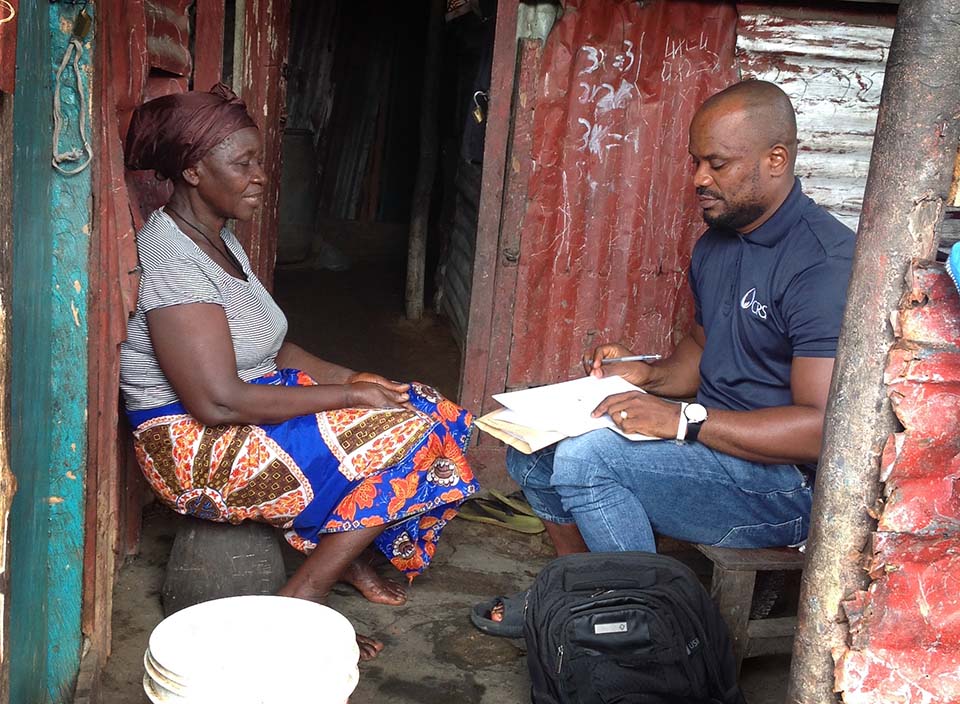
(566, 407)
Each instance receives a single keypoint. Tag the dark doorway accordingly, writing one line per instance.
(351, 158)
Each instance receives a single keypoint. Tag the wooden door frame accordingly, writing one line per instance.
(114, 484)
(483, 290)
(260, 45)
(514, 83)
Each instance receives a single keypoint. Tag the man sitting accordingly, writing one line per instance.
(769, 280)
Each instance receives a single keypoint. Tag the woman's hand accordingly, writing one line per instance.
(637, 373)
(637, 412)
(364, 394)
(371, 378)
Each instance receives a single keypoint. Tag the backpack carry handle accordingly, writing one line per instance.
(573, 582)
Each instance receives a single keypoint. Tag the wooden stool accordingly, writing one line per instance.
(214, 560)
(734, 577)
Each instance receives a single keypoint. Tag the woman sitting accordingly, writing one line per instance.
(231, 422)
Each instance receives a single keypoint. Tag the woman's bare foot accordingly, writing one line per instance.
(301, 587)
(375, 588)
(369, 647)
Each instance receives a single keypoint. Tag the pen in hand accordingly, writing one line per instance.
(632, 358)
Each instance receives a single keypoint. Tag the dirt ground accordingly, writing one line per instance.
(433, 654)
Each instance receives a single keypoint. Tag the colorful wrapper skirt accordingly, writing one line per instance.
(331, 472)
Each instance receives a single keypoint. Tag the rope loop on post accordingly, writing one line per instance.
(84, 155)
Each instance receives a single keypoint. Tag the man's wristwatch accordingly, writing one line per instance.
(692, 416)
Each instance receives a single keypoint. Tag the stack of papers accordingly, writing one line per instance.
(536, 418)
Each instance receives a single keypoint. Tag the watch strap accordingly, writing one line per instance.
(682, 426)
(693, 430)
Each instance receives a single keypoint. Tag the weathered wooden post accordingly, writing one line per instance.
(907, 189)
(427, 168)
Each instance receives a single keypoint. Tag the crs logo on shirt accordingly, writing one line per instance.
(750, 302)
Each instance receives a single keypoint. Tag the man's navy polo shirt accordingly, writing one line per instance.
(767, 297)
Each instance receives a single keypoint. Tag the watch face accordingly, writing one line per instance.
(695, 413)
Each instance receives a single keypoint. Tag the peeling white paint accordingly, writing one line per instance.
(833, 73)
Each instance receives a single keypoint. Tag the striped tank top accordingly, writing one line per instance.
(175, 271)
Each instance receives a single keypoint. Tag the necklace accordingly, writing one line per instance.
(227, 254)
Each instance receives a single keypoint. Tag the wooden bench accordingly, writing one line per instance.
(734, 578)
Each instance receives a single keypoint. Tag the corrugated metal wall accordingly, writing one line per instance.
(832, 69)
(455, 273)
(611, 220)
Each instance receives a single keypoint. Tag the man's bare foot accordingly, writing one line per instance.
(375, 588)
(369, 647)
(496, 613)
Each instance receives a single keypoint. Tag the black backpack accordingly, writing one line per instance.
(626, 628)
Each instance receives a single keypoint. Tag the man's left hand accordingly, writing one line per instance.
(645, 414)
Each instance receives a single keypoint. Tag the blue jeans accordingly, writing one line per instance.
(619, 492)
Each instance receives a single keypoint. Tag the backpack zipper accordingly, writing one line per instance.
(559, 657)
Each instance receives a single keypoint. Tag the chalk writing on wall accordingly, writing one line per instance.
(610, 82)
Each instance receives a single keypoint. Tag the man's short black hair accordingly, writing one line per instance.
(771, 112)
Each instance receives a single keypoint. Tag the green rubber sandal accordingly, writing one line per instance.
(514, 501)
(493, 513)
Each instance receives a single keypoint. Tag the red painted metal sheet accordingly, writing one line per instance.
(168, 36)
(929, 311)
(8, 44)
(905, 629)
(611, 217)
(263, 87)
(208, 44)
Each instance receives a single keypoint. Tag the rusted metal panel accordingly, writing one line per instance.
(208, 44)
(168, 36)
(832, 68)
(8, 44)
(611, 217)
(262, 84)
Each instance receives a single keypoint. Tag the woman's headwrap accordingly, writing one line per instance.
(171, 133)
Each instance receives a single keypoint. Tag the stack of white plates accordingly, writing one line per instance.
(252, 650)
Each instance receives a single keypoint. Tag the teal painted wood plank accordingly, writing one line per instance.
(52, 216)
(71, 217)
(30, 398)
